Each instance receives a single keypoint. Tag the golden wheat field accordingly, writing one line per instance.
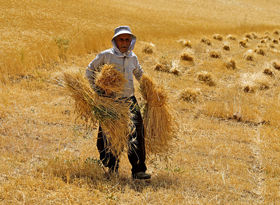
(219, 62)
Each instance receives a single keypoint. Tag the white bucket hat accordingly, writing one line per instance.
(122, 30)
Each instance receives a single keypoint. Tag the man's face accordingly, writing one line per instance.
(123, 42)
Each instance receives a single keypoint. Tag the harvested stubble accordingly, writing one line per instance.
(158, 121)
(186, 56)
(110, 80)
(114, 117)
(206, 78)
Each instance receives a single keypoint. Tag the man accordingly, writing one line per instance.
(126, 62)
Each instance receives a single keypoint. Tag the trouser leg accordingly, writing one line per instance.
(136, 152)
(106, 156)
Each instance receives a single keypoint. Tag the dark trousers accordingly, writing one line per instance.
(136, 152)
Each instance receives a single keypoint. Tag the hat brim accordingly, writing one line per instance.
(122, 32)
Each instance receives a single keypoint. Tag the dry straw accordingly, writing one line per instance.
(260, 51)
(276, 64)
(249, 36)
(158, 121)
(230, 64)
(249, 55)
(206, 41)
(185, 43)
(110, 80)
(190, 95)
(113, 116)
(218, 37)
(186, 56)
(148, 48)
(268, 71)
(162, 67)
(243, 43)
(226, 46)
(206, 78)
(231, 37)
(215, 54)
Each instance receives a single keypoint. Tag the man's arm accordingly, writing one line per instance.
(93, 67)
(138, 71)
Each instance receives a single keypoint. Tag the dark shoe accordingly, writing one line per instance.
(141, 175)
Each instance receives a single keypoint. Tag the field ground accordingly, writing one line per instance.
(226, 98)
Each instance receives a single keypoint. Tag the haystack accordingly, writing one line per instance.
(114, 117)
(185, 43)
(206, 78)
(268, 71)
(190, 95)
(260, 51)
(215, 54)
(158, 121)
(226, 46)
(162, 67)
(276, 64)
(218, 37)
(249, 55)
(230, 64)
(230, 37)
(206, 41)
(186, 56)
(148, 48)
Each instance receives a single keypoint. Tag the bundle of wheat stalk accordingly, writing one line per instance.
(113, 116)
(110, 80)
(158, 121)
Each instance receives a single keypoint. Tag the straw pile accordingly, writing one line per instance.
(158, 121)
(114, 117)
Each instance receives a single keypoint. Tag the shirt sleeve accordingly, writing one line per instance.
(138, 71)
(93, 68)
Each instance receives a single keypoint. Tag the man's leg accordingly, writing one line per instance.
(106, 156)
(136, 152)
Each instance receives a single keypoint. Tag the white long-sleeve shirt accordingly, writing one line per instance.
(127, 63)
